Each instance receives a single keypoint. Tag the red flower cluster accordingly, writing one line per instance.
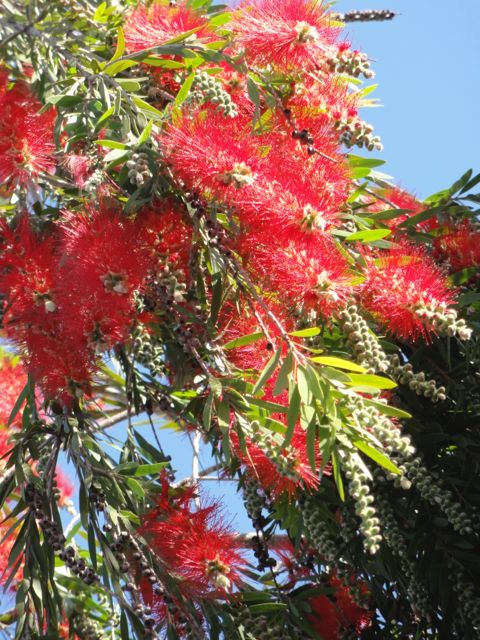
(70, 291)
(26, 135)
(288, 34)
(278, 471)
(194, 544)
(338, 613)
(401, 282)
(459, 246)
(154, 26)
(12, 382)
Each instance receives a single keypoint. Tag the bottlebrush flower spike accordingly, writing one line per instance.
(310, 272)
(279, 471)
(12, 381)
(196, 545)
(147, 27)
(102, 267)
(26, 136)
(236, 324)
(287, 34)
(214, 154)
(28, 267)
(334, 615)
(409, 294)
(459, 246)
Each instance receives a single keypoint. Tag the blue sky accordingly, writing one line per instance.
(427, 64)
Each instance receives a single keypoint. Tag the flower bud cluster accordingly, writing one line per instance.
(364, 343)
(53, 535)
(353, 63)
(96, 178)
(86, 628)
(365, 15)
(284, 460)
(468, 597)
(172, 283)
(316, 531)
(387, 432)
(433, 492)
(138, 169)
(417, 594)
(444, 321)
(404, 374)
(149, 352)
(120, 543)
(354, 132)
(253, 498)
(359, 489)
(259, 627)
(207, 89)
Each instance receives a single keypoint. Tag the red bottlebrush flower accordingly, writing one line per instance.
(26, 136)
(104, 267)
(165, 237)
(60, 363)
(317, 102)
(278, 471)
(325, 618)
(155, 25)
(79, 168)
(310, 272)
(12, 381)
(401, 283)
(459, 246)
(288, 34)
(336, 614)
(28, 265)
(401, 199)
(215, 155)
(64, 488)
(236, 324)
(5, 549)
(195, 545)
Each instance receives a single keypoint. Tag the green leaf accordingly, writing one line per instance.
(145, 135)
(369, 235)
(310, 332)
(387, 409)
(104, 117)
(311, 443)
(136, 487)
(374, 382)
(18, 404)
(339, 363)
(120, 48)
(111, 144)
(92, 547)
(267, 607)
(281, 383)
(378, 457)
(358, 161)
(64, 101)
(184, 89)
(293, 414)
(243, 340)
(253, 92)
(267, 372)
(147, 109)
(337, 476)
(150, 469)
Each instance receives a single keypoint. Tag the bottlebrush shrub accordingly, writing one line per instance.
(188, 241)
